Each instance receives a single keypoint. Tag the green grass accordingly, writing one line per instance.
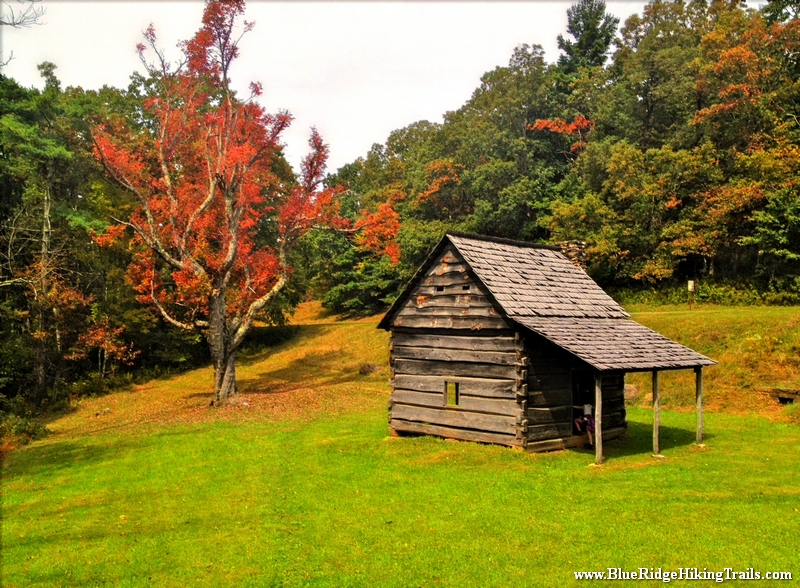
(756, 347)
(302, 487)
(337, 503)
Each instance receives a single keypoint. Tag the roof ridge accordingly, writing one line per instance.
(503, 241)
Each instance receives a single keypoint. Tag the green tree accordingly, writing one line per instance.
(593, 30)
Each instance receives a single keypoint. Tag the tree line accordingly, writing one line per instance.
(150, 227)
(670, 148)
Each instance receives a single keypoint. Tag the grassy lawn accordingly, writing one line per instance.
(299, 485)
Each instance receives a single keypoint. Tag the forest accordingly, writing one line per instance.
(668, 145)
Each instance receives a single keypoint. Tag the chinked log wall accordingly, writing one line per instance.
(449, 331)
(489, 370)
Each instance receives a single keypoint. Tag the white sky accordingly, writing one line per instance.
(355, 70)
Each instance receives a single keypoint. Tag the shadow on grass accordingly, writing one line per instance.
(49, 459)
(317, 368)
(252, 355)
(639, 440)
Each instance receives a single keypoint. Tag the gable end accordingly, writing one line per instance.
(448, 295)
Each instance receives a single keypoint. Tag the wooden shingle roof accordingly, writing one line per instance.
(615, 344)
(540, 289)
(535, 281)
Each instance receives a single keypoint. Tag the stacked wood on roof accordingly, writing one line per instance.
(496, 341)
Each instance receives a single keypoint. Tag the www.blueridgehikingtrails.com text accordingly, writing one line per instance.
(682, 574)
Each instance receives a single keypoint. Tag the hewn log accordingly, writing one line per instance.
(549, 431)
(487, 333)
(443, 322)
(612, 406)
(451, 279)
(490, 405)
(464, 299)
(539, 381)
(557, 414)
(455, 417)
(571, 441)
(656, 415)
(698, 374)
(401, 426)
(490, 388)
(554, 397)
(418, 398)
(456, 342)
(454, 369)
(470, 403)
(549, 370)
(598, 419)
(430, 353)
(444, 311)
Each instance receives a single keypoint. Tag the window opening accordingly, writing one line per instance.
(440, 288)
(451, 394)
(465, 287)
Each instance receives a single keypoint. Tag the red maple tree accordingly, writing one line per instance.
(201, 165)
(578, 128)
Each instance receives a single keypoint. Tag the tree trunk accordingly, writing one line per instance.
(223, 353)
(42, 289)
(225, 380)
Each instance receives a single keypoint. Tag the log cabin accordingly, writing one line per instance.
(497, 341)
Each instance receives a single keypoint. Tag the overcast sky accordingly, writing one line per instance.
(355, 70)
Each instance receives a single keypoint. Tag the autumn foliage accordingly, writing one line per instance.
(578, 129)
(216, 222)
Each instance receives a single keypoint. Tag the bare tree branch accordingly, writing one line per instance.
(14, 282)
(167, 317)
(26, 15)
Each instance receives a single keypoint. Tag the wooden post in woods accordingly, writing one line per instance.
(656, 415)
(598, 418)
(698, 373)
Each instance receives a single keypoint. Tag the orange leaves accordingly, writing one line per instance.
(309, 203)
(748, 72)
(581, 123)
(378, 232)
(579, 128)
(218, 210)
(445, 193)
(106, 338)
(202, 171)
(444, 173)
(112, 235)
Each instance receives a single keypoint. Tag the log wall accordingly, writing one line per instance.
(488, 367)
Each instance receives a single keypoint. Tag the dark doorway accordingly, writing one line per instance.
(582, 393)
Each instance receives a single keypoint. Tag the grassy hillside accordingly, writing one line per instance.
(756, 347)
(298, 484)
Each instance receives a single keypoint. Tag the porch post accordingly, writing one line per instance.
(598, 418)
(698, 373)
(656, 415)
